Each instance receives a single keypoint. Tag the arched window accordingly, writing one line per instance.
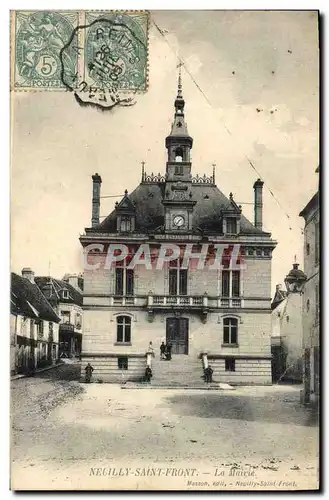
(230, 331)
(123, 329)
(179, 155)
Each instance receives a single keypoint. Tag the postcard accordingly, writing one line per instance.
(165, 250)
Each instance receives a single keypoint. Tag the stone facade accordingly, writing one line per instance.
(287, 333)
(311, 298)
(224, 312)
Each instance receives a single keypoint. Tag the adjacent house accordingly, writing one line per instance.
(34, 326)
(65, 296)
(287, 329)
(311, 299)
(219, 315)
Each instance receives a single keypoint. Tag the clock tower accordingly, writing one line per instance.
(178, 199)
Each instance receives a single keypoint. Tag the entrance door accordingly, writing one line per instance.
(177, 334)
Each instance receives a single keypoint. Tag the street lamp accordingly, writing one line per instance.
(295, 280)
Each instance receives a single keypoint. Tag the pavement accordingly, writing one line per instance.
(38, 370)
(67, 436)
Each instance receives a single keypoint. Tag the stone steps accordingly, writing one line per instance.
(179, 371)
(163, 385)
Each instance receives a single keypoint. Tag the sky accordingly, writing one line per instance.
(243, 62)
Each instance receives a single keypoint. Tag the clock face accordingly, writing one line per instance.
(179, 221)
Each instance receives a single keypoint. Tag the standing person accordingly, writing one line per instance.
(148, 374)
(89, 371)
(208, 374)
(151, 349)
(168, 350)
(162, 351)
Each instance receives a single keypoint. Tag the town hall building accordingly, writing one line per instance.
(212, 315)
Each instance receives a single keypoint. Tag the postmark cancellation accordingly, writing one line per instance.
(75, 50)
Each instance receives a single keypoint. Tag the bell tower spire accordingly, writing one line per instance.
(179, 102)
(179, 142)
(179, 93)
(178, 198)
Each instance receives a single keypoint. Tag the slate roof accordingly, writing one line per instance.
(147, 199)
(179, 128)
(312, 204)
(28, 300)
(279, 296)
(53, 292)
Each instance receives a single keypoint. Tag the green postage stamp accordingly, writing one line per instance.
(75, 50)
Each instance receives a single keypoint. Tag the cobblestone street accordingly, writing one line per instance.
(69, 435)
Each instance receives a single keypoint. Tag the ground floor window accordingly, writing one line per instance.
(230, 365)
(123, 363)
(43, 350)
(123, 329)
(230, 331)
(54, 351)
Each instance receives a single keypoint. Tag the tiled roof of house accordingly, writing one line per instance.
(279, 296)
(311, 205)
(52, 288)
(28, 300)
(210, 201)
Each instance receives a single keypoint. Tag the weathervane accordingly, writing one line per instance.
(213, 172)
(143, 170)
(179, 65)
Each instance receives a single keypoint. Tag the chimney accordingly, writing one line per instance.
(74, 280)
(278, 287)
(28, 274)
(97, 181)
(258, 207)
(47, 289)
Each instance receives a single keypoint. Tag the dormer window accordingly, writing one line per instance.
(125, 212)
(65, 294)
(125, 224)
(231, 225)
(231, 218)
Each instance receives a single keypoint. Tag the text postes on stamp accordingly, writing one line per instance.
(115, 51)
(94, 54)
(39, 38)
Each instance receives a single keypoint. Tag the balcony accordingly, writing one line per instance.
(172, 301)
(127, 300)
(194, 301)
(197, 303)
(66, 328)
(229, 302)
